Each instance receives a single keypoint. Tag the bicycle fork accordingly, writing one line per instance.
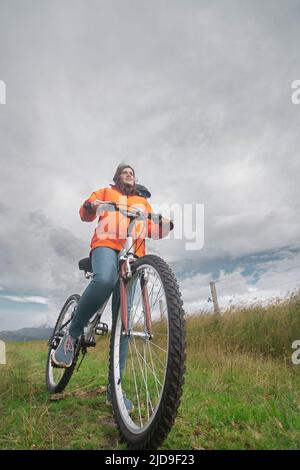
(123, 297)
(124, 303)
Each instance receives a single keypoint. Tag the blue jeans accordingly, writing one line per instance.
(104, 282)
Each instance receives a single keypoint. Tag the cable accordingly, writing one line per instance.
(137, 248)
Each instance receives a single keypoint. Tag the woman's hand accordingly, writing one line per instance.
(167, 222)
(92, 206)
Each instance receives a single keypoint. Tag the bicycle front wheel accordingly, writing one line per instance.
(147, 366)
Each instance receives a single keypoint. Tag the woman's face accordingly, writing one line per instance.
(127, 176)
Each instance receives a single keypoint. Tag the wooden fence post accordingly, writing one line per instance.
(214, 297)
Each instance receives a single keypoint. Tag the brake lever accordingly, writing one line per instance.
(106, 206)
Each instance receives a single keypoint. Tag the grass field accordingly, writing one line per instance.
(241, 389)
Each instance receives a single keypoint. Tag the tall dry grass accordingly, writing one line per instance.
(260, 330)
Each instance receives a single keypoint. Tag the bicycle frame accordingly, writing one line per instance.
(125, 258)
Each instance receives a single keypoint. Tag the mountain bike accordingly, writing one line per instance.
(147, 343)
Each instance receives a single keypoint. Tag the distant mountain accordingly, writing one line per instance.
(27, 334)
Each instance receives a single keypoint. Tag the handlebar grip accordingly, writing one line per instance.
(157, 219)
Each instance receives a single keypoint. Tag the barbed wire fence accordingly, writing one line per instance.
(215, 287)
(257, 294)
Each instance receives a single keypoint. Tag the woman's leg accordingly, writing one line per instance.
(105, 277)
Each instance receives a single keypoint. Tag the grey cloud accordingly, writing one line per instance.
(195, 95)
(39, 258)
(3, 208)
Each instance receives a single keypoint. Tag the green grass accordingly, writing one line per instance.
(241, 390)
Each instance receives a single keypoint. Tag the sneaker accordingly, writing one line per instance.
(127, 402)
(63, 356)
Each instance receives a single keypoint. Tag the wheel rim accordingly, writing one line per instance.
(143, 377)
(56, 373)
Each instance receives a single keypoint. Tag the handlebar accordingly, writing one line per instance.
(138, 214)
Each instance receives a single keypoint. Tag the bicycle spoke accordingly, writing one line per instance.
(161, 349)
(137, 394)
(157, 298)
(157, 357)
(136, 306)
(151, 292)
(153, 366)
(146, 365)
(141, 369)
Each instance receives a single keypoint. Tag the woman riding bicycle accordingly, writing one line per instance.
(105, 247)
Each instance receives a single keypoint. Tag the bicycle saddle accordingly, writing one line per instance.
(85, 265)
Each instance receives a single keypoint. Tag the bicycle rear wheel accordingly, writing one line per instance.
(57, 378)
(148, 365)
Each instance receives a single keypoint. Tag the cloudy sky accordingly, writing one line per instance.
(194, 94)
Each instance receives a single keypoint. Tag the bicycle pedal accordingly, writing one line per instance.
(101, 329)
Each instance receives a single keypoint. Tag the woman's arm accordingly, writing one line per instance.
(160, 229)
(88, 209)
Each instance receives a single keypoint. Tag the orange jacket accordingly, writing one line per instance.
(112, 226)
